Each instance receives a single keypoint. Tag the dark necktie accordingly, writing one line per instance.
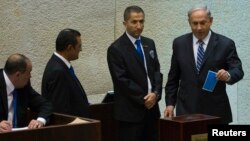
(139, 50)
(14, 104)
(200, 55)
(72, 72)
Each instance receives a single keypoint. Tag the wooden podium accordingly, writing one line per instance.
(61, 128)
(186, 128)
(104, 113)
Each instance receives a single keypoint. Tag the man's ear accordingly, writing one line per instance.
(17, 74)
(189, 21)
(124, 23)
(69, 47)
(211, 20)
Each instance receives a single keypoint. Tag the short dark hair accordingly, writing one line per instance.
(66, 37)
(131, 9)
(16, 62)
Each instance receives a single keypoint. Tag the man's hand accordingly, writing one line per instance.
(169, 111)
(5, 126)
(35, 124)
(223, 75)
(150, 100)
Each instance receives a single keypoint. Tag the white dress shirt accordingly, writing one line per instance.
(196, 45)
(63, 59)
(132, 39)
(9, 89)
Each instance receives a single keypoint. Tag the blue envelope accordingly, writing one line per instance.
(210, 82)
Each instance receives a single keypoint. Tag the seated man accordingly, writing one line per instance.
(17, 95)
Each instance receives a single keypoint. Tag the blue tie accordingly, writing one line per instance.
(14, 102)
(139, 50)
(200, 55)
(72, 72)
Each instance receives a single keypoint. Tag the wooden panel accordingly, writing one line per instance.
(104, 113)
(59, 130)
(182, 128)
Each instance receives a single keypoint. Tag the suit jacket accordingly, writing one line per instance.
(130, 78)
(64, 91)
(27, 97)
(184, 85)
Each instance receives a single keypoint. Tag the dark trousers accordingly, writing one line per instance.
(147, 130)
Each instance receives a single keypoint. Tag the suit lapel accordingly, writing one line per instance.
(79, 84)
(190, 51)
(67, 69)
(54, 57)
(131, 49)
(146, 50)
(210, 47)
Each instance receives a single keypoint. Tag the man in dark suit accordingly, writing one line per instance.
(136, 79)
(60, 84)
(189, 69)
(17, 95)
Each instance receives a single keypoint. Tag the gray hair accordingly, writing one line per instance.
(199, 7)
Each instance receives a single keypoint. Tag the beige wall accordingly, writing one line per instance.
(31, 26)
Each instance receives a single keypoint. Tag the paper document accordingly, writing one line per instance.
(210, 81)
(18, 129)
(78, 120)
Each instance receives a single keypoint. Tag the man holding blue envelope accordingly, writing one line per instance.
(203, 62)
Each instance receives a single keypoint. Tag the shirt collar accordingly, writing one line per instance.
(205, 40)
(9, 86)
(63, 59)
(132, 39)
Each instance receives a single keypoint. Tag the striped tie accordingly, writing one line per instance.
(200, 55)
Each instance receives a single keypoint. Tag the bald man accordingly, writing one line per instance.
(17, 95)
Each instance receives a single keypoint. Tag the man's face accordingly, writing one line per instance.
(135, 24)
(75, 50)
(23, 77)
(200, 23)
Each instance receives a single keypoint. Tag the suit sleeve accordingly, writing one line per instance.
(234, 64)
(158, 77)
(39, 104)
(117, 68)
(172, 84)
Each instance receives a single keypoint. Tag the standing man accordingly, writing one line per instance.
(17, 95)
(194, 54)
(137, 80)
(60, 84)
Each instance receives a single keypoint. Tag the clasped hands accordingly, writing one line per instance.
(149, 100)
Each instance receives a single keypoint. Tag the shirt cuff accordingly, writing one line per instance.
(42, 120)
(229, 76)
(157, 95)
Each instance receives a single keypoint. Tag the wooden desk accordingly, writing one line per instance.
(104, 113)
(59, 130)
(186, 128)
